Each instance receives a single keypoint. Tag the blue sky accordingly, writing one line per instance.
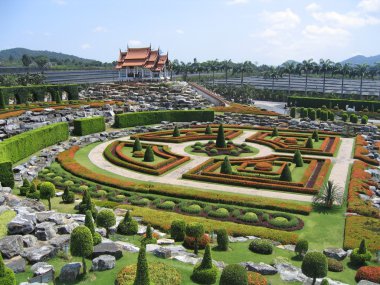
(263, 31)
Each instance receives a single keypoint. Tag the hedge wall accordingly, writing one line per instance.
(6, 174)
(315, 102)
(21, 146)
(36, 93)
(88, 126)
(147, 118)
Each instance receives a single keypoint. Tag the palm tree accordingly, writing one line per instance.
(185, 68)
(273, 73)
(226, 66)
(361, 70)
(307, 66)
(289, 68)
(243, 68)
(329, 194)
(324, 66)
(344, 70)
(213, 66)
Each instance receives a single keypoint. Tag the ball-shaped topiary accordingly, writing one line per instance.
(286, 174)
(302, 246)
(7, 276)
(234, 274)
(178, 230)
(334, 265)
(149, 155)
(81, 244)
(369, 273)
(314, 265)
(47, 191)
(297, 158)
(196, 231)
(226, 168)
(205, 272)
(325, 282)
(222, 239)
(261, 246)
(106, 219)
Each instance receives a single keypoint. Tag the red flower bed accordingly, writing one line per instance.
(361, 152)
(369, 273)
(255, 278)
(202, 242)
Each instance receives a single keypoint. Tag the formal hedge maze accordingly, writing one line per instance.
(149, 159)
(186, 135)
(272, 172)
(289, 142)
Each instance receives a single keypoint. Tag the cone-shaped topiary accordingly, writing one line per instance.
(25, 187)
(142, 273)
(297, 158)
(362, 247)
(226, 168)
(33, 193)
(149, 155)
(360, 256)
(7, 276)
(234, 274)
(205, 272)
(275, 132)
(208, 130)
(286, 174)
(68, 196)
(137, 145)
(222, 239)
(309, 143)
(128, 226)
(314, 265)
(89, 223)
(220, 140)
(176, 132)
(207, 260)
(148, 239)
(87, 204)
(315, 136)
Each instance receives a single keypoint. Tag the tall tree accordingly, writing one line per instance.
(361, 70)
(289, 68)
(307, 67)
(324, 67)
(26, 60)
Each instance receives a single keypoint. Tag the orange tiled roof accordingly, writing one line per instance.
(142, 57)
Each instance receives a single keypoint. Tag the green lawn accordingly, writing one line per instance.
(5, 218)
(127, 150)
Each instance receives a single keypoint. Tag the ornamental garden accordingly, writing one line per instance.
(202, 202)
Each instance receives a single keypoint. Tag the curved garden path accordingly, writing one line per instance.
(338, 173)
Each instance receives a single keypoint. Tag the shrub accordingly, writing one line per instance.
(293, 112)
(176, 132)
(7, 276)
(315, 136)
(353, 118)
(214, 151)
(226, 168)
(87, 204)
(275, 132)
(302, 246)
(47, 191)
(86, 126)
(286, 174)
(325, 282)
(249, 217)
(208, 130)
(261, 246)
(220, 140)
(68, 196)
(148, 238)
(106, 219)
(219, 213)
(369, 273)
(196, 231)
(81, 244)
(178, 229)
(344, 117)
(234, 152)
(191, 209)
(142, 272)
(189, 242)
(33, 193)
(6, 174)
(58, 179)
(312, 115)
(167, 205)
(255, 278)
(205, 272)
(234, 274)
(309, 143)
(359, 258)
(314, 265)
(364, 119)
(297, 158)
(137, 145)
(149, 155)
(24, 189)
(331, 116)
(334, 265)
(127, 226)
(68, 183)
(222, 239)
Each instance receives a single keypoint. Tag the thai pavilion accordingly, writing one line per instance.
(142, 64)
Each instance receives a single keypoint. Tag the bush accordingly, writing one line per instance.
(364, 119)
(68, 183)
(7, 277)
(68, 197)
(191, 209)
(127, 226)
(286, 174)
(213, 151)
(176, 132)
(81, 244)
(297, 158)
(261, 246)
(149, 155)
(47, 191)
(275, 132)
(86, 126)
(249, 217)
(221, 213)
(353, 118)
(205, 272)
(24, 189)
(314, 265)
(6, 174)
(177, 230)
(334, 265)
(234, 274)
(97, 238)
(167, 205)
(220, 139)
(226, 168)
(315, 136)
(360, 258)
(222, 239)
(189, 242)
(137, 145)
(255, 278)
(106, 219)
(302, 246)
(293, 112)
(325, 282)
(369, 273)
(208, 130)
(344, 117)
(312, 115)
(309, 143)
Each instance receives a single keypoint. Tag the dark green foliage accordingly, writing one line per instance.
(324, 115)
(293, 112)
(2, 102)
(142, 273)
(58, 98)
(344, 117)
(208, 130)
(314, 265)
(331, 116)
(360, 255)
(24, 189)
(312, 115)
(261, 246)
(178, 229)
(297, 158)
(325, 282)
(222, 239)
(275, 132)
(353, 118)
(7, 277)
(106, 219)
(220, 140)
(226, 168)
(364, 120)
(47, 191)
(89, 222)
(137, 145)
(6, 174)
(86, 126)
(318, 113)
(362, 247)
(309, 143)
(195, 230)
(315, 136)
(81, 244)
(286, 174)
(33, 193)
(303, 112)
(334, 265)
(176, 132)
(148, 155)
(148, 118)
(127, 226)
(148, 239)
(68, 197)
(23, 145)
(302, 246)
(205, 272)
(234, 274)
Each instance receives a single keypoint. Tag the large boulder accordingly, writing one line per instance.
(29, 240)
(22, 224)
(37, 206)
(11, 246)
(41, 268)
(45, 231)
(67, 228)
(127, 246)
(17, 264)
(39, 254)
(60, 242)
(289, 272)
(58, 218)
(103, 262)
(108, 248)
(262, 268)
(69, 272)
(336, 253)
(43, 216)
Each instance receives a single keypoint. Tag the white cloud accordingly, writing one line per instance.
(237, 2)
(85, 46)
(180, 31)
(100, 29)
(316, 32)
(369, 5)
(281, 20)
(268, 33)
(312, 7)
(351, 19)
(60, 2)
(134, 43)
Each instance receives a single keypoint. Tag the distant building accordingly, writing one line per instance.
(142, 64)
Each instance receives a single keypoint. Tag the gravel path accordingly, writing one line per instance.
(338, 173)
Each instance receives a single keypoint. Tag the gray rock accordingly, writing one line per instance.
(57, 218)
(70, 272)
(262, 268)
(165, 241)
(289, 272)
(237, 239)
(61, 241)
(127, 246)
(34, 283)
(188, 259)
(17, 264)
(151, 247)
(162, 252)
(103, 262)
(336, 253)
(41, 268)
(43, 216)
(11, 246)
(365, 282)
(35, 205)
(38, 254)
(67, 229)
(45, 231)
(107, 249)
(29, 240)
(21, 224)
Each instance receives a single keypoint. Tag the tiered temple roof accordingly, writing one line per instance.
(142, 57)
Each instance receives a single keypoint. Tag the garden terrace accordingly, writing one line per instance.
(244, 109)
(186, 135)
(307, 179)
(361, 152)
(289, 142)
(121, 154)
(231, 149)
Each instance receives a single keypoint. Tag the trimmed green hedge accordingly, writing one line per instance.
(36, 93)
(21, 146)
(6, 174)
(88, 126)
(316, 102)
(148, 118)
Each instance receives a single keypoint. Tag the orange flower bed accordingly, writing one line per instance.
(369, 273)
(361, 152)
(10, 114)
(243, 109)
(290, 140)
(264, 166)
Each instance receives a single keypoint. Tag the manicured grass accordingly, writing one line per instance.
(127, 150)
(254, 152)
(5, 218)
